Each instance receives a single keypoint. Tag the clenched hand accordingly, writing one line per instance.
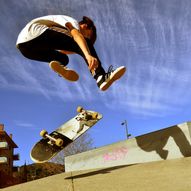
(92, 62)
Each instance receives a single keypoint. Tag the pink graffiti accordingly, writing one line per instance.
(116, 154)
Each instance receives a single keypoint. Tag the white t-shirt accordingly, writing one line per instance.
(37, 26)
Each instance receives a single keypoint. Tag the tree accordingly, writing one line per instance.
(83, 143)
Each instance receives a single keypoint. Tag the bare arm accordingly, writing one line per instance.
(66, 52)
(79, 39)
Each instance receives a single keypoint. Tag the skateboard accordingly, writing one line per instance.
(51, 144)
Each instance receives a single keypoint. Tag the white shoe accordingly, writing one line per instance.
(105, 81)
(63, 71)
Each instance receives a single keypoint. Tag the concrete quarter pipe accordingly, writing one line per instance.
(169, 143)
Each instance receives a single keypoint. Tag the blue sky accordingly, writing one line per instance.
(150, 37)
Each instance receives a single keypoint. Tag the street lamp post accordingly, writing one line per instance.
(125, 123)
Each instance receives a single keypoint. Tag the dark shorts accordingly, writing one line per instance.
(45, 48)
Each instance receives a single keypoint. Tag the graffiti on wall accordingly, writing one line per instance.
(116, 154)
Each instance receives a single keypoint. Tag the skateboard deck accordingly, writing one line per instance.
(51, 144)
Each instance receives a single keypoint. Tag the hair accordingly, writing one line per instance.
(90, 24)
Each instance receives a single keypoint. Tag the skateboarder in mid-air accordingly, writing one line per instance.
(50, 38)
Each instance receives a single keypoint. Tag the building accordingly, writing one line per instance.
(7, 156)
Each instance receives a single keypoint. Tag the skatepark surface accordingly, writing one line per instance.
(165, 175)
(169, 143)
(156, 161)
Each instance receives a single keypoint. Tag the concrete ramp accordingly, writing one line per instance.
(170, 143)
(170, 175)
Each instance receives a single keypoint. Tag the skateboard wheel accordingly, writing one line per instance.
(59, 142)
(43, 133)
(94, 115)
(79, 109)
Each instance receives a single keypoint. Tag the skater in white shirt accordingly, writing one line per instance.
(50, 38)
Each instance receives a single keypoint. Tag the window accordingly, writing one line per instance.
(4, 145)
(3, 160)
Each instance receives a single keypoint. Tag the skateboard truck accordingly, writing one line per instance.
(58, 142)
(86, 116)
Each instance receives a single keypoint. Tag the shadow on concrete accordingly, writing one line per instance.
(157, 141)
(102, 171)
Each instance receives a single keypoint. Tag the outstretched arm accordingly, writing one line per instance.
(79, 39)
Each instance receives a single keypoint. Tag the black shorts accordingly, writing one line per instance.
(45, 48)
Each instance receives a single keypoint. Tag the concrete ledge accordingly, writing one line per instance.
(169, 143)
(161, 175)
(168, 175)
